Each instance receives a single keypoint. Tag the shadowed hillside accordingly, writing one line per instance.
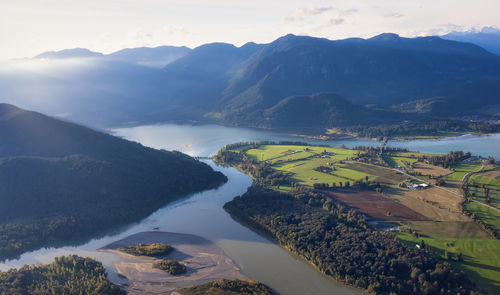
(60, 181)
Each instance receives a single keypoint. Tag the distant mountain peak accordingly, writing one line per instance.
(69, 53)
(386, 37)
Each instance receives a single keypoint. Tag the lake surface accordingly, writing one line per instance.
(202, 213)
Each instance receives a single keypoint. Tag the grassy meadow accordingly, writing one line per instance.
(461, 170)
(481, 256)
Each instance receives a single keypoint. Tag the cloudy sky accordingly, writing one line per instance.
(28, 27)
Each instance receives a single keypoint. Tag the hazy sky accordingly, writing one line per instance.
(28, 27)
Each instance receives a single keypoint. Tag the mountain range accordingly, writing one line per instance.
(381, 80)
(487, 37)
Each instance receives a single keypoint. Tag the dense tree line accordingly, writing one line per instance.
(432, 128)
(255, 144)
(261, 172)
(154, 249)
(452, 158)
(171, 266)
(339, 243)
(71, 275)
(228, 287)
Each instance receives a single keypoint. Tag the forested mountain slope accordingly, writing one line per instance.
(60, 181)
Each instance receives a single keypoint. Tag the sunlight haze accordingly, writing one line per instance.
(29, 27)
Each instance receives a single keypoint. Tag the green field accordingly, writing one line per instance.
(274, 153)
(399, 161)
(481, 256)
(487, 215)
(412, 154)
(302, 160)
(477, 181)
(461, 170)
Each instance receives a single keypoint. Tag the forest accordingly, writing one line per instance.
(171, 266)
(429, 128)
(154, 249)
(338, 241)
(67, 275)
(228, 287)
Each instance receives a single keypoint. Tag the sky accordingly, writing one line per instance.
(29, 27)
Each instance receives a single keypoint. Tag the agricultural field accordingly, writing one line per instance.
(303, 160)
(399, 161)
(461, 170)
(485, 187)
(412, 155)
(481, 255)
(430, 170)
(274, 153)
(485, 214)
(376, 206)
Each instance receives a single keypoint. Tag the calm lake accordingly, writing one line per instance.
(202, 213)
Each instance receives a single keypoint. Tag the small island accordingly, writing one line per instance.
(190, 260)
(152, 250)
(171, 266)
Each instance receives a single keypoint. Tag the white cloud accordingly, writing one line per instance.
(393, 14)
(349, 11)
(303, 12)
(173, 29)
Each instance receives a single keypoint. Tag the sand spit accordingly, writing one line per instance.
(204, 261)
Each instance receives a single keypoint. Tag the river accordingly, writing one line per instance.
(202, 213)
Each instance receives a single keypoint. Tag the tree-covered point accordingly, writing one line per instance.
(71, 275)
(171, 266)
(62, 182)
(228, 287)
(339, 243)
(154, 249)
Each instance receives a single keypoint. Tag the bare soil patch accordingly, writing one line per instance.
(376, 206)
(435, 203)
(450, 229)
(495, 174)
(385, 176)
(427, 169)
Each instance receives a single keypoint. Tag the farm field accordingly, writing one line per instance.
(427, 169)
(399, 161)
(433, 203)
(302, 160)
(451, 229)
(384, 175)
(376, 206)
(461, 170)
(481, 256)
(487, 215)
(487, 182)
(273, 153)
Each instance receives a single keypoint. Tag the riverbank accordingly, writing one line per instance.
(204, 261)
